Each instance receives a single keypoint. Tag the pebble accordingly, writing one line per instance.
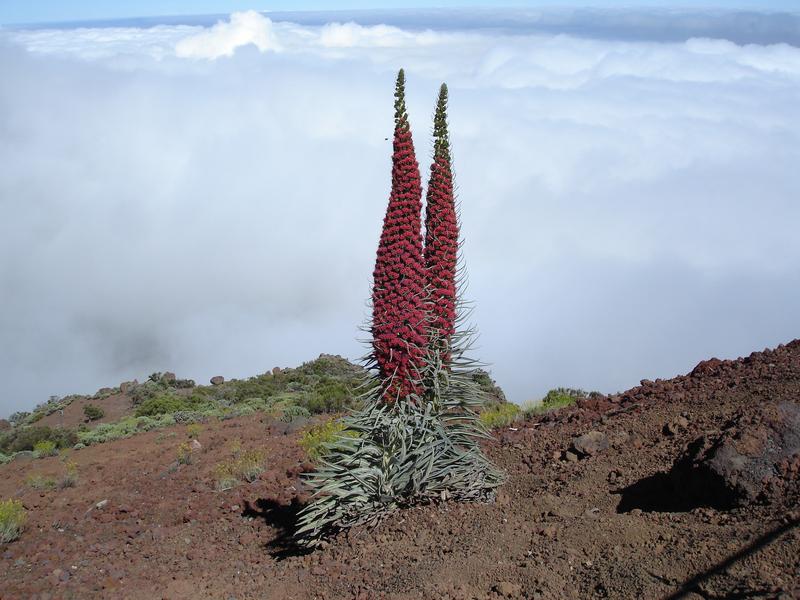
(508, 589)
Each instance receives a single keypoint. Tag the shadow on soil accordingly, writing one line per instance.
(683, 488)
(669, 492)
(282, 518)
(694, 585)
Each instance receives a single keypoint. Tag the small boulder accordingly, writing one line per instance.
(742, 463)
(676, 426)
(508, 589)
(168, 377)
(590, 444)
(127, 386)
(276, 370)
(195, 445)
(4, 425)
(217, 380)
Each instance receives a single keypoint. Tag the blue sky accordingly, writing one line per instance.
(26, 11)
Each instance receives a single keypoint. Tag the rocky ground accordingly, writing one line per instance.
(681, 488)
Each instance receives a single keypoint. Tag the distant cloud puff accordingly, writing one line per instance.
(243, 29)
(349, 35)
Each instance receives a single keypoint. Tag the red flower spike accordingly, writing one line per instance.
(441, 234)
(398, 306)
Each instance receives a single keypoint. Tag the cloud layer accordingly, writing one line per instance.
(224, 38)
(188, 198)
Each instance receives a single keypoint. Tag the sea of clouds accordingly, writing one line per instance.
(208, 199)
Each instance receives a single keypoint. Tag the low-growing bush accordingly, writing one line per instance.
(185, 417)
(225, 477)
(492, 392)
(236, 446)
(12, 520)
(329, 396)
(194, 430)
(561, 397)
(5, 458)
(249, 465)
(18, 418)
(163, 436)
(292, 412)
(161, 405)
(124, 428)
(70, 477)
(554, 399)
(500, 415)
(25, 438)
(40, 482)
(318, 439)
(145, 391)
(93, 413)
(185, 453)
(45, 448)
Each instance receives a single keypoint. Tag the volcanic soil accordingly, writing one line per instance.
(616, 514)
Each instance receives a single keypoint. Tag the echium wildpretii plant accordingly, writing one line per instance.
(441, 237)
(415, 438)
(398, 292)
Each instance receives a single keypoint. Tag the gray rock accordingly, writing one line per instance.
(590, 444)
(750, 460)
(508, 589)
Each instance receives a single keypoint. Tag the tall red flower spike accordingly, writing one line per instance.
(441, 235)
(398, 305)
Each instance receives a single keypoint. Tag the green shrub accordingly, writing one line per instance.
(225, 477)
(500, 415)
(40, 482)
(185, 453)
(249, 465)
(145, 391)
(318, 439)
(292, 412)
(492, 393)
(92, 412)
(561, 397)
(320, 385)
(70, 476)
(18, 418)
(186, 417)
(25, 438)
(163, 436)
(12, 520)
(45, 448)
(554, 399)
(328, 396)
(124, 428)
(5, 458)
(194, 430)
(161, 405)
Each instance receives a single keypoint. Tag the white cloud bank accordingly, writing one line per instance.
(223, 39)
(629, 207)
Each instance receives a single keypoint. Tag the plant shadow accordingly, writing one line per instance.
(282, 518)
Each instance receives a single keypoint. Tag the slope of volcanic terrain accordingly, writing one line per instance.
(680, 488)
